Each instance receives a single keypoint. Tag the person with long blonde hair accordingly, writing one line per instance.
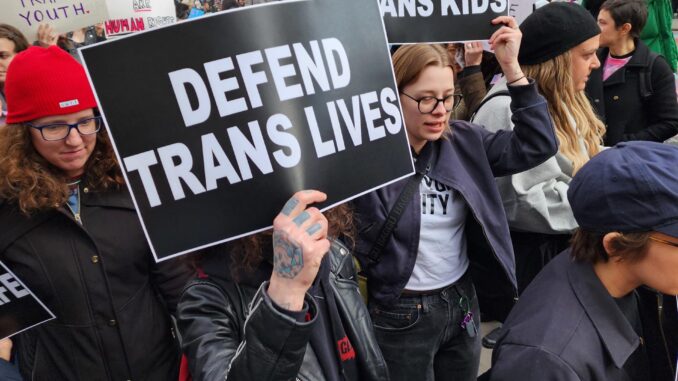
(559, 52)
(451, 234)
(71, 234)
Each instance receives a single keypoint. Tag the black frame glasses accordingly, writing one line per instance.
(456, 99)
(77, 126)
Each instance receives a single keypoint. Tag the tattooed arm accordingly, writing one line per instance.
(299, 245)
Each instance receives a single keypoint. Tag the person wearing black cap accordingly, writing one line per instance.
(559, 52)
(626, 202)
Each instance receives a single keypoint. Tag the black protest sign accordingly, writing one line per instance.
(429, 21)
(19, 308)
(218, 121)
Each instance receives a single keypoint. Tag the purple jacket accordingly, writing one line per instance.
(468, 160)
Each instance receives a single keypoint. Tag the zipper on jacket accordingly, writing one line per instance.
(482, 228)
(660, 320)
(494, 253)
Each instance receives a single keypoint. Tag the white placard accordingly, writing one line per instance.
(129, 16)
(63, 15)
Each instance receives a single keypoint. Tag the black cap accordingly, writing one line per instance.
(629, 188)
(554, 29)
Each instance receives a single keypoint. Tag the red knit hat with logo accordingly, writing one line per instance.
(44, 82)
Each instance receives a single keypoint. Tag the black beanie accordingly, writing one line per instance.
(554, 29)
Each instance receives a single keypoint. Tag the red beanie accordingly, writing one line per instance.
(43, 82)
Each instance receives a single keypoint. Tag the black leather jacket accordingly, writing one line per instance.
(232, 331)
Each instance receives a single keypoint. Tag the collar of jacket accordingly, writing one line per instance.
(614, 330)
(16, 224)
(341, 263)
(639, 59)
(112, 199)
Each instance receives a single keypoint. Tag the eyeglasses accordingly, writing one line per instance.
(674, 244)
(59, 131)
(426, 105)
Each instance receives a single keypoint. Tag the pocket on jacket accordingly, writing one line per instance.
(399, 318)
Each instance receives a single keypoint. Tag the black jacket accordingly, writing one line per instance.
(582, 337)
(233, 331)
(110, 298)
(628, 114)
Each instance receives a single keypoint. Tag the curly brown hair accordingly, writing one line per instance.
(249, 252)
(31, 182)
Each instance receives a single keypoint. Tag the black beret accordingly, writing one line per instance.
(553, 30)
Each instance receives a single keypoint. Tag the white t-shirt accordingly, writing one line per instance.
(442, 257)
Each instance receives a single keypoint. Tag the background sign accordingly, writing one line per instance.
(435, 21)
(214, 137)
(520, 9)
(127, 16)
(20, 309)
(63, 15)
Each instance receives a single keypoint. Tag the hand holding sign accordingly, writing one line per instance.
(473, 53)
(46, 35)
(299, 245)
(506, 43)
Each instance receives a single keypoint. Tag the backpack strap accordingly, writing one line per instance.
(499, 93)
(645, 77)
(404, 199)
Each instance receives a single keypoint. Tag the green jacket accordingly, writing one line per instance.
(657, 34)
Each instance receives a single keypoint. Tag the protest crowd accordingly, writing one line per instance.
(539, 190)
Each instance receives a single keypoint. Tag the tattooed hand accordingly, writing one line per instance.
(299, 245)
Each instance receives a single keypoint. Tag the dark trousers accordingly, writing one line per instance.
(421, 336)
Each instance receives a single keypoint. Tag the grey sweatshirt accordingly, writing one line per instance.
(534, 200)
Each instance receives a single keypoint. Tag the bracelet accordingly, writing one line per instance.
(514, 81)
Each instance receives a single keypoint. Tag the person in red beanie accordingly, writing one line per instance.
(70, 232)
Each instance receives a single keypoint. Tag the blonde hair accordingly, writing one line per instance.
(410, 60)
(555, 83)
(34, 184)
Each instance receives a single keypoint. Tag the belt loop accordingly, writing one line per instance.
(424, 303)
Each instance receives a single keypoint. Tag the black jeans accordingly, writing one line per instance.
(421, 336)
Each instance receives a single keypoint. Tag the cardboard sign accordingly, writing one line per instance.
(20, 309)
(437, 21)
(63, 15)
(128, 16)
(216, 135)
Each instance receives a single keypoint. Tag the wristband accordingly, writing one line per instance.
(514, 81)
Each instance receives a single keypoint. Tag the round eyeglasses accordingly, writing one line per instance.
(427, 104)
(59, 131)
